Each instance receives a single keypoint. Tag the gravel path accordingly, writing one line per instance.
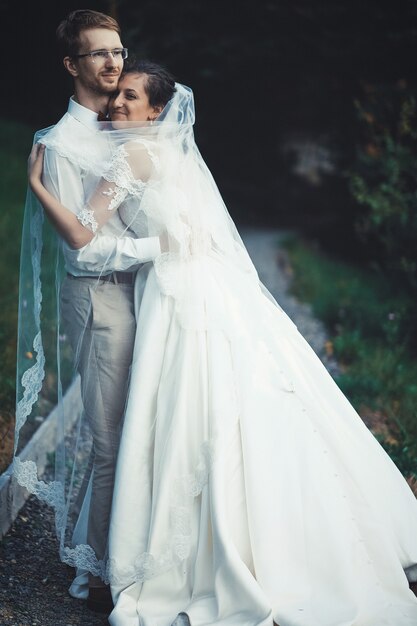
(275, 272)
(33, 582)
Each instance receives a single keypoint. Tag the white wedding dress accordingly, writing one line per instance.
(247, 487)
(248, 490)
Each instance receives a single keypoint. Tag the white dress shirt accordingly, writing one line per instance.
(75, 152)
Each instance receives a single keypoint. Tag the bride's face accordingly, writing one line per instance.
(130, 103)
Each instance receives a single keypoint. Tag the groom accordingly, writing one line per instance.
(97, 295)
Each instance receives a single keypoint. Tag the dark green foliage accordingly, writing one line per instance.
(403, 456)
(15, 144)
(370, 324)
(384, 180)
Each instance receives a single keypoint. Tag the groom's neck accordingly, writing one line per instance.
(93, 101)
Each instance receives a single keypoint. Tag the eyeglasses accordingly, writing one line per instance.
(102, 55)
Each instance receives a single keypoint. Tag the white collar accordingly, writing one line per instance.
(82, 114)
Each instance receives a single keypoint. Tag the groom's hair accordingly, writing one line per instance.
(69, 30)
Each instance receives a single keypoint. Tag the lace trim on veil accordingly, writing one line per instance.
(87, 219)
(120, 173)
(146, 565)
(82, 556)
(33, 377)
(177, 548)
(25, 472)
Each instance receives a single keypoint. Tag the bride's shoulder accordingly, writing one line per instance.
(136, 159)
(142, 155)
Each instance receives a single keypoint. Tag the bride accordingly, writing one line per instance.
(248, 491)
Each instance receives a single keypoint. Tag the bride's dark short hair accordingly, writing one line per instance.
(69, 30)
(160, 84)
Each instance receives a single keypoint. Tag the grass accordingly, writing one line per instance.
(370, 325)
(15, 144)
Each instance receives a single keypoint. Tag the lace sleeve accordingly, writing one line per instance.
(127, 175)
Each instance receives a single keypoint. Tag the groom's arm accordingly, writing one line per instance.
(105, 253)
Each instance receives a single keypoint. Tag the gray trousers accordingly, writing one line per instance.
(100, 322)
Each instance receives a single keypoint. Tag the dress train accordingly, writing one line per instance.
(248, 489)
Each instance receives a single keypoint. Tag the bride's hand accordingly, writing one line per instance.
(35, 165)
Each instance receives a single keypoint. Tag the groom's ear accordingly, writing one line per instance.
(70, 66)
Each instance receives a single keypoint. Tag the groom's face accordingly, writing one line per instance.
(101, 75)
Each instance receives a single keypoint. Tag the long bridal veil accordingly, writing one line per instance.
(155, 176)
(233, 428)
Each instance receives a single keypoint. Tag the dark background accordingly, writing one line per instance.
(265, 74)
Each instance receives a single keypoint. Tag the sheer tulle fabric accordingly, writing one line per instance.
(247, 488)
